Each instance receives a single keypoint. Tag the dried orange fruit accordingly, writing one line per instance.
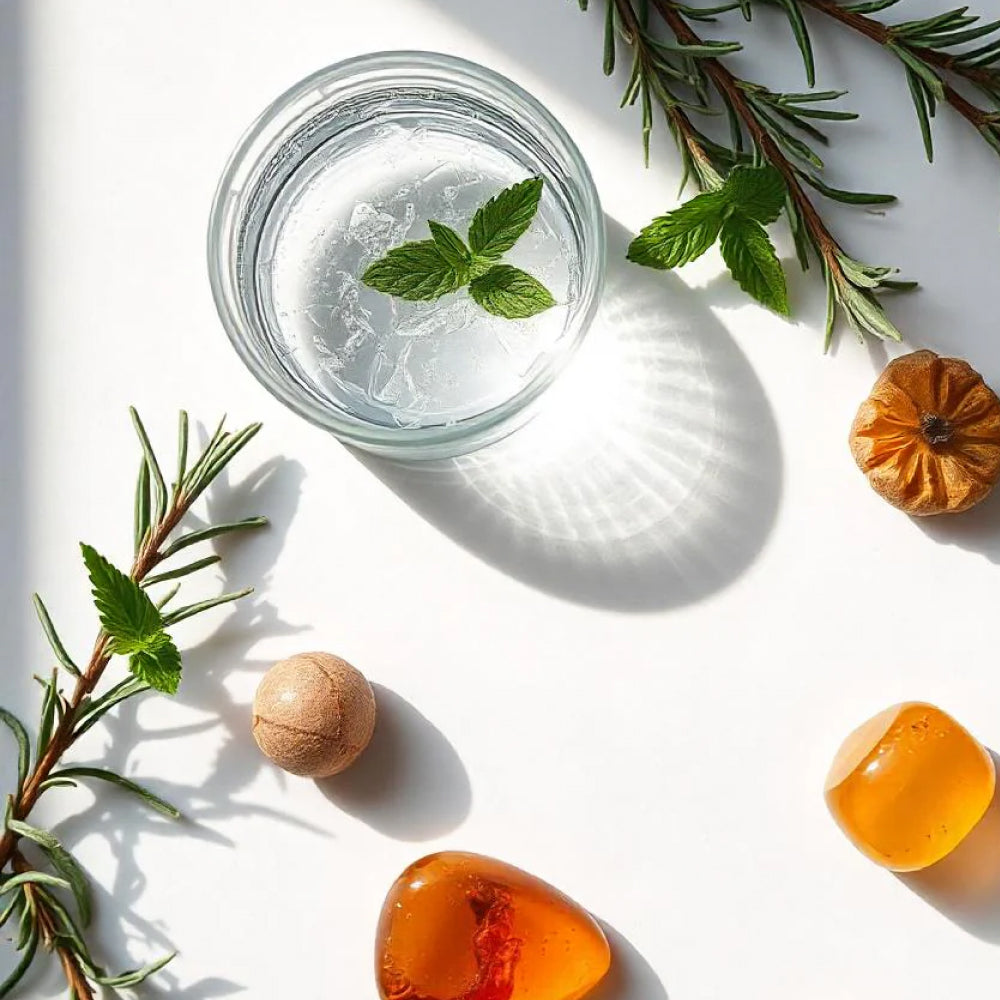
(928, 436)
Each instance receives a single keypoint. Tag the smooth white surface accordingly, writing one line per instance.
(633, 698)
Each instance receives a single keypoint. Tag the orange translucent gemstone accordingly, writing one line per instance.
(464, 927)
(909, 785)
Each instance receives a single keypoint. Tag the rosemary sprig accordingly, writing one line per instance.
(37, 897)
(766, 127)
(921, 46)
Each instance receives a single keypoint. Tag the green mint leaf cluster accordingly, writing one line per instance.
(133, 624)
(735, 214)
(424, 270)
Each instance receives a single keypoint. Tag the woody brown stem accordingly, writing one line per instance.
(685, 131)
(48, 931)
(883, 35)
(729, 86)
(148, 557)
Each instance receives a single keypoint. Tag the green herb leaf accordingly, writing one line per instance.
(417, 271)
(451, 245)
(185, 570)
(756, 192)
(133, 977)
(24, 963)
(158, 663)
(14, 724)
(750, 256)
(682, 235)
(11, 908)
(204, 534)
(189, 610)
(159, 486)
(127, 614)
(151, 800)
(63, 862)
(504, 219)
(34, 878)
(48, 714)
(54, 641)
(511, 293)
(93, 711)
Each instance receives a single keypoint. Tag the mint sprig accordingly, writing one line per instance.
(424, 270)
(133, 624)
(736, 214)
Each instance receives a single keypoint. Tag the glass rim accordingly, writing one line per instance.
(221, 251)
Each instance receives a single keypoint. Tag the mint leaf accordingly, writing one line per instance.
(504, 219)
(134, 624)
(451, 245)
(511, 293)
(158, 663)
(428, 269)
(126, 612)
(749, 254)
(480, 265)
(757, 193)
(682, 235)
(418, 271)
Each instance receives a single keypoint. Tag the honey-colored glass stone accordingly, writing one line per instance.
(464, 927)
(909, 785)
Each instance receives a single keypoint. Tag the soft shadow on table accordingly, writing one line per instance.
(14, 608)
(965, 886)
(574, 67)
(630, 977)
(121, 927)
(13, 336)
(650, 478)
(977, 530)
(410, 782)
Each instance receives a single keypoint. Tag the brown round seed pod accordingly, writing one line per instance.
(928, 436)
(313, 714)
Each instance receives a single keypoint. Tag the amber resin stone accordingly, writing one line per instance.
(909, 785)
(464, 927)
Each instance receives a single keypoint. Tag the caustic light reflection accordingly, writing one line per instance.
(655, 457)
(650, 476)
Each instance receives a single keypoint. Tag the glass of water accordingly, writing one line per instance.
(353, 162)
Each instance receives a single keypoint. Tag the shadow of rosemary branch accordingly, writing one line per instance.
(118, 930)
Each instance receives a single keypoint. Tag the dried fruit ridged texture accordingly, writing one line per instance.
(461, 926)
(928, 436)
(909, 785)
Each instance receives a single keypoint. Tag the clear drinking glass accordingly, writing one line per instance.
(353, 161)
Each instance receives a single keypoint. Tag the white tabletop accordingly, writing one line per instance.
(632, 695)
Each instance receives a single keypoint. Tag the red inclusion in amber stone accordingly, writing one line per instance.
(464, 927)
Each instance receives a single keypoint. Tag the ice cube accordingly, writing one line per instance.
(389, 381)
(424, 319)
(355, 318)
(374, 230)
